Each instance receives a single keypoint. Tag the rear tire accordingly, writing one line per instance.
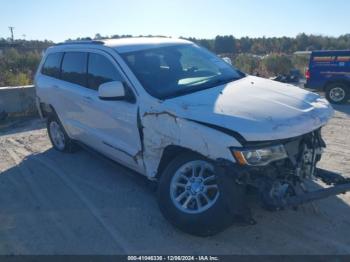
(58, 136)
(337, 93)
(205, 214)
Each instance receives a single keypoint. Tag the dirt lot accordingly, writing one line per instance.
(54, 203)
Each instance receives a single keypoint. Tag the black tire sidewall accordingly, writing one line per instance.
(341, 85)
(209, 222)
(67, 140)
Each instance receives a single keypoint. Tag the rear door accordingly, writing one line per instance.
(62, 83)
(47, 79)
(71, 90)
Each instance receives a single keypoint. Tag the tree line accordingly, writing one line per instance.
(264, 55)
(267, 45)
(19, 60)
(273, 55)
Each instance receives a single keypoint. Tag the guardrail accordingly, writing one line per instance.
(17, 101)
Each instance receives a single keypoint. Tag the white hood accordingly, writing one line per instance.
(257, 108)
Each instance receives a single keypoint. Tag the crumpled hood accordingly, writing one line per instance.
(257, 108)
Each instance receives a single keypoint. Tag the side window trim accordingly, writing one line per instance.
(87, 72)
(63, 54)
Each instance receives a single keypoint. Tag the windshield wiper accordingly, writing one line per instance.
(222, 81)
(217, 82)
(207, 85)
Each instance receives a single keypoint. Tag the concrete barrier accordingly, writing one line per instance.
(18, 100)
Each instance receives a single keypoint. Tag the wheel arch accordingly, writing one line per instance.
(169, 153)
(339, 80)
(47, 109)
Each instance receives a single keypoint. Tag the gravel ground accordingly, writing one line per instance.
(54, 203)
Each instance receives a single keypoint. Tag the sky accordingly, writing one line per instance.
(58, 20)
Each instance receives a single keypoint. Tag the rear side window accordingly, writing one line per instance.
(74, 68)
(52, 65)
(100, 71)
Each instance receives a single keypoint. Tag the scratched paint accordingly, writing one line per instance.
(161, 130)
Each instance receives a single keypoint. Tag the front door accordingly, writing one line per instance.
(109, 127)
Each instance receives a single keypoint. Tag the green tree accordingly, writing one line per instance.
(18, 65)
(244, 44)
(300, 62)
(276, 64)
(247, 63)
(225, 44)
(208, 44)
(15, 79)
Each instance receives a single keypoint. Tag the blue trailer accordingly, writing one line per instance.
(329, 71)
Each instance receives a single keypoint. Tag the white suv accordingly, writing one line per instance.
(183, 117)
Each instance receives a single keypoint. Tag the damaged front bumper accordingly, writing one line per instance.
(233, 180)
(281, 184)
(340, 184)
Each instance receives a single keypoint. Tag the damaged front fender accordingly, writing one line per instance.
(163, 128)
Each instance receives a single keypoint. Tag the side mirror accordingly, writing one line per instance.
(112, 91)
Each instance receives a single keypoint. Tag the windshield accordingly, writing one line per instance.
(175, 70)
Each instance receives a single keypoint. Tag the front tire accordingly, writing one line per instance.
(189, 196)
(337, 93)
(58, 136)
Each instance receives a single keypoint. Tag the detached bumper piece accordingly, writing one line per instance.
(340, 184)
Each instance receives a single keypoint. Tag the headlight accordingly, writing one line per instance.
(261, 156)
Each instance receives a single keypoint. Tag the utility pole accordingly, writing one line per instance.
(11, 30)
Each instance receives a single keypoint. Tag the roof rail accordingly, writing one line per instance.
(80, 42)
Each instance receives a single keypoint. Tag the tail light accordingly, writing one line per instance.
(307, 74)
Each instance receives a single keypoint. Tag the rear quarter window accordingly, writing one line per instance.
(52, 65)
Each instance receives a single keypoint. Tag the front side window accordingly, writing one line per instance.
(52, 65)
(100, 71)
(180, 69)
(74, 68)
